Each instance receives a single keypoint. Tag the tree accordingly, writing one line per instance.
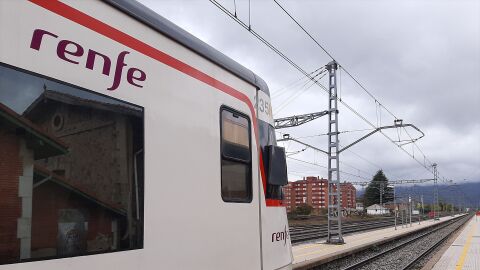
(303, 209)
(361, 199)
(372, 192)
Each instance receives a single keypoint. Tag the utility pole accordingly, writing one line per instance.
(419, 211)
(419, 217)
(394, 207)
(381, 195)
(423, 206)
(451, 206)
(454, 202)
(435, 192)
(334, 235)
(410, 209)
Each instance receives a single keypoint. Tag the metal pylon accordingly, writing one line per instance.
(435, 192)
(334, 210)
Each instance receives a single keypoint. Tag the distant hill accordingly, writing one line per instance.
(468, 192)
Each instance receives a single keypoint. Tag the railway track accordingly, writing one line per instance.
(299, 234)
(401, 254)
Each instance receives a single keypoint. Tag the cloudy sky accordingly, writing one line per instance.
(420, 59)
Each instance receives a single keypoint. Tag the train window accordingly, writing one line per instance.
(71, 170)
(236, 171)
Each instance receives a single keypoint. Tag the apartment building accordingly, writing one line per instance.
(313, 191)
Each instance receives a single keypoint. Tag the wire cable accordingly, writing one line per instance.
(321, 166)
(298, 94)
(277, 93)
(296, 66)
(342, 67)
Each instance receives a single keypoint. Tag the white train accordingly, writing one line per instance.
(127, 143)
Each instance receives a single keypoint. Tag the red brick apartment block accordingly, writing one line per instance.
(314, 192)
(348, 195)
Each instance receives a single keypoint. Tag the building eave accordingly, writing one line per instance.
(43, 144)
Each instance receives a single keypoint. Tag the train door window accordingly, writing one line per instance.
(236, 165)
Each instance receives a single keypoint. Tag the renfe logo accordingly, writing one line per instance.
(281, 236)
(71, 52)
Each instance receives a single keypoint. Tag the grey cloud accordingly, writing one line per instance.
(420, 58)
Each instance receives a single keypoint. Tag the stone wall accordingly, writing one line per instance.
(99, 158)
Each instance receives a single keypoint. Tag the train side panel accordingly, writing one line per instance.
(187, 224)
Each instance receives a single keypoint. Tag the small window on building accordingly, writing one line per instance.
(236, 156)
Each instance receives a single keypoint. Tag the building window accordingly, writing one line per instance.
(236, 156)
(84, 185)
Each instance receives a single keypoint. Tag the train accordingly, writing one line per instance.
(128, 143)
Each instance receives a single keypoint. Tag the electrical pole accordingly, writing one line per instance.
(334, 235)
(410, 209)
(334, 191)
(418, 217)
(394, 207)
(423, 207)
(452, 205)
(435, 192)
(381, 195)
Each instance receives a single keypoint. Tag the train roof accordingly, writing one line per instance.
(167, 28)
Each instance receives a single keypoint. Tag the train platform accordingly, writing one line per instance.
(317, 253)
(464, 252)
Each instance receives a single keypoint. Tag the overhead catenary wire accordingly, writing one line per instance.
(374, 165)
(304, 87)
(380, 105)
(342, 162)
(331, 56)
(340, 132)
(279, 92)
(259, 37)
(316, 78)
(296, 66)
(321, 166)
(420, 150)
(349, 165)
(355, 168)
(268, 44)
(235, 7)
(249, 16)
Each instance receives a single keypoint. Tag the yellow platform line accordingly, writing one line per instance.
(461, 260)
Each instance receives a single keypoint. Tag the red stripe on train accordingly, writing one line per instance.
(108, 31)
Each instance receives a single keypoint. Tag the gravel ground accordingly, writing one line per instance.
(402, 257)
(397, 259)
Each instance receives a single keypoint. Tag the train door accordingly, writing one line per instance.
(239, 189)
